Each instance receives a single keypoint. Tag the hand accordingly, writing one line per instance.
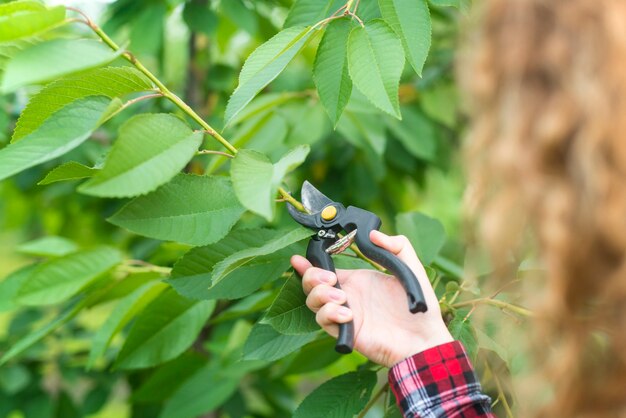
(385, 331)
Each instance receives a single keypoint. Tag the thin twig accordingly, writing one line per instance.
(208, 151)
(495, 302)
(501, 395)
(373, 400)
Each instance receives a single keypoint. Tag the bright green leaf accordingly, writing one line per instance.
(149, 151)
(309, 12)
(256, 179)
(425, 233)
(192, 274)
(241, 258)
(10, 285)
(125, 310)
(165, 328)
(410, 19)
(376, 61)
(23, 19)
(110, 82)
(330, 71)
(289, 313)
(264, 65)
(61, 278)
(196, 210)
(62, 132)
(48, 246)
(68, 171)
(340, 397)
(53, 59)
(265, 343)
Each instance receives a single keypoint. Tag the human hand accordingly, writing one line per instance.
(385, 331)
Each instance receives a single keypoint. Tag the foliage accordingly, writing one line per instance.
(141, 182)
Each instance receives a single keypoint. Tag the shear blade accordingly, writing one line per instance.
(312, 199)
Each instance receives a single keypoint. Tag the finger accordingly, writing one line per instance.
(323, 294)
(315, 276)
(300, 264)
(398, 245)
(332, 314)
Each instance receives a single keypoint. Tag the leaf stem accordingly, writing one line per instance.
(208, 151)
(162, 88)
(373, 400)
(495, 302)
(501, 395)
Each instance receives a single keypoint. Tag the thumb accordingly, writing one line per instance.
(400, 246)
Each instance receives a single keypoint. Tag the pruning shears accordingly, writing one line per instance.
(329, 219)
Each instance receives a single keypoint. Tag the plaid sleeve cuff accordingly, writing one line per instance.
(438, 383)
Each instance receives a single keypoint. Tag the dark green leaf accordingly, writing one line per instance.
(376, 61)
(265, 343)
(425, 233)
(462, 330)
(289, 313)
(340, 397)
(330, 71)
(165, 328)
(416, 132)
(196, 210)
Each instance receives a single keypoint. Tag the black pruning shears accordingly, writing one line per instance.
(329, 219)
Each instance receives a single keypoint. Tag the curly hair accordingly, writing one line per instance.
(545, 83)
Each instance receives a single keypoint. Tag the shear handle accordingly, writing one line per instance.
(365, 222)
(317, 255)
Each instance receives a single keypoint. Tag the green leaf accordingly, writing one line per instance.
(265, 343)
(37, 335)
(410, 19)
(11, 285)
(53, 59)
(425, 233)
(314, 357)
(289, 313)
(330, 71)
(23, 19)
(264, 65)
(125, 310)
(68, 171)
(309, 12)
(416, 132)
(447, 3)
(442, 104)
(192, 274)
(56, 280)
(192, 399)
(340, 397)
(241, 258)
(64, 131)
(110, 82)
(200, 18)
(14, 378)
(376, 61)
(484, 341)
(165, 328)
(461, 329)
(256, 179)
(48, 246)
(196, 210)
(364, 130)
(149, 151)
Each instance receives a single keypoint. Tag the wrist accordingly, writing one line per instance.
(413, 344)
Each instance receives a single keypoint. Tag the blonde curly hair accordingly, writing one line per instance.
(545, 84)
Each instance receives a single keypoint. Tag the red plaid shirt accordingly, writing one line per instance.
(439, 383)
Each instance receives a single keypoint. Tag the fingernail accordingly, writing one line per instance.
(344, 312)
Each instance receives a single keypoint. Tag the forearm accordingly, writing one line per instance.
(439, 383)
